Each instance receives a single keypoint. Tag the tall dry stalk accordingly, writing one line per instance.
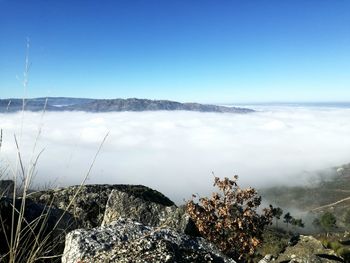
(29, 241)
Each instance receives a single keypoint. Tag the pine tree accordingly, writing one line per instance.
(287, 219)
(328, 222)
(277, 212)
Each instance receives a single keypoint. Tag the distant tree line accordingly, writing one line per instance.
(288, 219)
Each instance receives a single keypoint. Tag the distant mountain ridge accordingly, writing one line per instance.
(110, 105)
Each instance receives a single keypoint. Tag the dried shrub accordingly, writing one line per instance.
(230, 218)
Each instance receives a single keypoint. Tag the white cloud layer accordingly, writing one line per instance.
(175, 152)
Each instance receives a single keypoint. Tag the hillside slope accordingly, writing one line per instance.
(110, 105)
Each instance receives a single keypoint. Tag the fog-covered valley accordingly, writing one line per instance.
(176, 152)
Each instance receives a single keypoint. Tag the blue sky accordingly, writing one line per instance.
(185, 50)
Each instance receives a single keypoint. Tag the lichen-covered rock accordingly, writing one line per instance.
(268, 258)
(126, 205)
(308, 250)
(126, 240)
(148, 212)
(88, 202)
(180, 221)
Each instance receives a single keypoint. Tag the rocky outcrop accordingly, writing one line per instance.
(182, 222)
(148, 212)
(123, 223)
(124, 204)
(96, 205)
(91, 206)
(126, 240)
(307, 250)
(88, 203)
(268, 258)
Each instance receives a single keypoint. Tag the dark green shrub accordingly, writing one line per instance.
(328, 222)
(335, 245)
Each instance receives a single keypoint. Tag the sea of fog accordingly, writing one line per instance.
(178, 152)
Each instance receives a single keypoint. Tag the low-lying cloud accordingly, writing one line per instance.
(176, 152)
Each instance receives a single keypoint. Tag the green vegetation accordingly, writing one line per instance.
(340, 249)
(328, 222)
(275, 240)
(346, 219)
(344, 253)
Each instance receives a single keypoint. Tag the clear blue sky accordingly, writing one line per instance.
(185, 50)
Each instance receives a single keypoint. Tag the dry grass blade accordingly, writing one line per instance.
(0, 138)
(28, 240)
(85, 178)
(34, 238)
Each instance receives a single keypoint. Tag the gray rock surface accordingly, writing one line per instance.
(126, 240)
(126, 205)
(180, 221)
(88, 206)
(308, 250)
(148, 212)
(268, 258)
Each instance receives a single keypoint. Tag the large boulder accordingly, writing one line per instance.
(181, 222)
(308, 250)
(126, 240)
(148, 211)
(88, 202)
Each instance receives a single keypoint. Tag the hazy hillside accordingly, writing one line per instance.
(109, 105)
(330, 193)
(38, 104)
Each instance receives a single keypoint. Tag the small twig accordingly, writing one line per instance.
(19, 158)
